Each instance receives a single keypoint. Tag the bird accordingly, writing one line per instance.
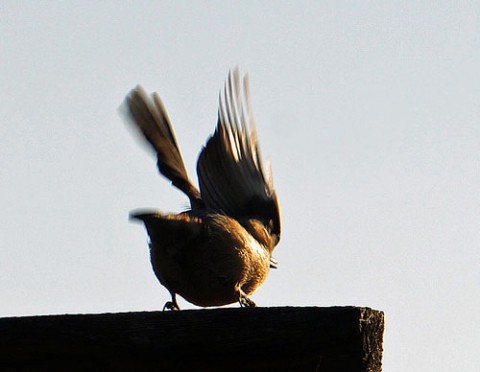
(219, 251)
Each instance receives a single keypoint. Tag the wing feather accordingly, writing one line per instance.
(230, 171)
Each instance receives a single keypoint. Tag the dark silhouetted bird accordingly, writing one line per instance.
(220, 251)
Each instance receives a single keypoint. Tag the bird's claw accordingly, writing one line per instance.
(246, 302)
(170, 306)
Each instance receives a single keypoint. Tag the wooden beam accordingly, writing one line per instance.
(227, 339)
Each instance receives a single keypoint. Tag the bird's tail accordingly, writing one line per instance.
(150, 116)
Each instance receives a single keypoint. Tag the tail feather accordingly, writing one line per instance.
(169, 229)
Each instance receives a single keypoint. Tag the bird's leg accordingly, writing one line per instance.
(244, 301)
(171, 305)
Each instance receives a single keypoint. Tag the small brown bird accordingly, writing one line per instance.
(220, 251)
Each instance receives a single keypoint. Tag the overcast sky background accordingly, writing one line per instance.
(369, 112)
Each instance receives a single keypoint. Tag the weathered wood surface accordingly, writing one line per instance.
(241, 339)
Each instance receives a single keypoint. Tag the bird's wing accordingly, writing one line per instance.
(149, 115)
(230, 171)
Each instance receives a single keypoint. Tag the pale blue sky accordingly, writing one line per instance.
(369, 112)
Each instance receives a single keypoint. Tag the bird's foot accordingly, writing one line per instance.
(170, 306)
(244, 301)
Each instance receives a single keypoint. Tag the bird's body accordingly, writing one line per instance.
(218, 252)
(209, 261)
